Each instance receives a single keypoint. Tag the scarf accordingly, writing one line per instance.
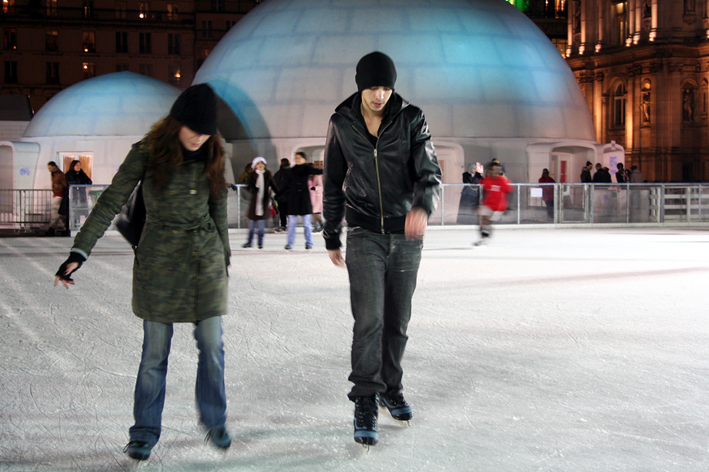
(260, 191)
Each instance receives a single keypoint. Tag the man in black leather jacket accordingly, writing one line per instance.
(382, 177)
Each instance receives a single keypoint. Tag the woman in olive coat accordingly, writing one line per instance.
(180, 265)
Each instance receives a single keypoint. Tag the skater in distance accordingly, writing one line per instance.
(382, 177)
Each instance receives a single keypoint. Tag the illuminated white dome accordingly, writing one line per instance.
(478, 68)
(117, 104)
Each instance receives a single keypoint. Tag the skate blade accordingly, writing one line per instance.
(385, 410)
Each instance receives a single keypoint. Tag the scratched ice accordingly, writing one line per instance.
(552, 350)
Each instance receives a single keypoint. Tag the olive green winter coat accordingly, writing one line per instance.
(179, 270)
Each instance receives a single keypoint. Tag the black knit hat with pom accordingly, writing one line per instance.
(196, 108)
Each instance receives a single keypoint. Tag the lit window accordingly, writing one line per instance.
(10, 38)
(143, 10)
(89, 70)
(89, 41)
(51, 7)
(8, 6)
(172, 11)
(174, 75)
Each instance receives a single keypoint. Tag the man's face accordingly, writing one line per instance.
(375, 99)
(299, 160)
(192, 140)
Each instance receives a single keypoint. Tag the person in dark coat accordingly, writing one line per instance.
(260, 185)
(59, 200)
(282, 180)
(180, 265)
(77, 197)
(586, 172)
(299, 199)
(548, 192)
(470, 195)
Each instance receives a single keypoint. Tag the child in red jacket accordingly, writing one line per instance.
(495, 187)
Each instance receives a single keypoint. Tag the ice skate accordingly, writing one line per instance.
(365, 421)
(219, 437)
(138, 450)
(397, 408)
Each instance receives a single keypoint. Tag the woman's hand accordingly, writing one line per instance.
(69, 266)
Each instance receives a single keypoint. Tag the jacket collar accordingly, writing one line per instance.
(350, 108)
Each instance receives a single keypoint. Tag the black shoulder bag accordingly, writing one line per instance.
(131, 219)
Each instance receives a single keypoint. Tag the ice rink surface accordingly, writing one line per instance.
(548, 350)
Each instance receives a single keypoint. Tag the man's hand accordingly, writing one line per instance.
(336, 257)
(416, 223)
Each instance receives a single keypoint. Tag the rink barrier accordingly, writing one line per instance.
(573, 204)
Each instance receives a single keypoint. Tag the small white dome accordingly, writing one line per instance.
(477, 68)
(117, 104)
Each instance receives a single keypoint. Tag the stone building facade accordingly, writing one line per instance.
(643, 66)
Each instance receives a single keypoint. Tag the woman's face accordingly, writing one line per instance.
(260, 166)
(192, 140)
(299, 160)
(77, 167)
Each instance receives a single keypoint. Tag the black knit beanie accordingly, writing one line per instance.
(196, 108)
(376, 69)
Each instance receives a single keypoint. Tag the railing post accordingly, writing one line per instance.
(238, 206)
(519, 190)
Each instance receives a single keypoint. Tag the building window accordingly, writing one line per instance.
(217, 5)
(89, 41)
(89, 70)
(121, 67)
(621, 22)
(88, 6)
(705, 98)
(51, 40)
(10, 38)
(146, 69)
(8, 6)
(174, 75)
(51, 7)
(121, 10)
(52, 73)
(206, 28)
(173, 44)
(619, 106)
(229, 24)
(10, 72)
(121, 41)
(145, 45)
(172, 11)
(143, 10)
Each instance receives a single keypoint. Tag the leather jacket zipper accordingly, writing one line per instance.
(376, 165)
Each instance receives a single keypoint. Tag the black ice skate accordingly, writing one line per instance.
(365, 420)
(397, 408)
(138, 450)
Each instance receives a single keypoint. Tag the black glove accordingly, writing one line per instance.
(73, 257)
(234, 187)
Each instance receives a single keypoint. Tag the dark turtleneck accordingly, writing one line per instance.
(198, 155)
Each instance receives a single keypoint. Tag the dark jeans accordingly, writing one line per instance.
(283, 213)
(382, 270)
(150, 384)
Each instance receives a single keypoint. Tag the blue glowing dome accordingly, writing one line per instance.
(478, 68)
(117, 104)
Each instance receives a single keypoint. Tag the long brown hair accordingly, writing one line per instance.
(162, 143)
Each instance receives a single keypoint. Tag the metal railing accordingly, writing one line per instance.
(25, 210)
(583, 204)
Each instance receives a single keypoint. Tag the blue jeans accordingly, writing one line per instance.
(382, 270)
(150, 384)
(253, 224)
(307, 229)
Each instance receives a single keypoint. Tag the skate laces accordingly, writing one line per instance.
(366, 411)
